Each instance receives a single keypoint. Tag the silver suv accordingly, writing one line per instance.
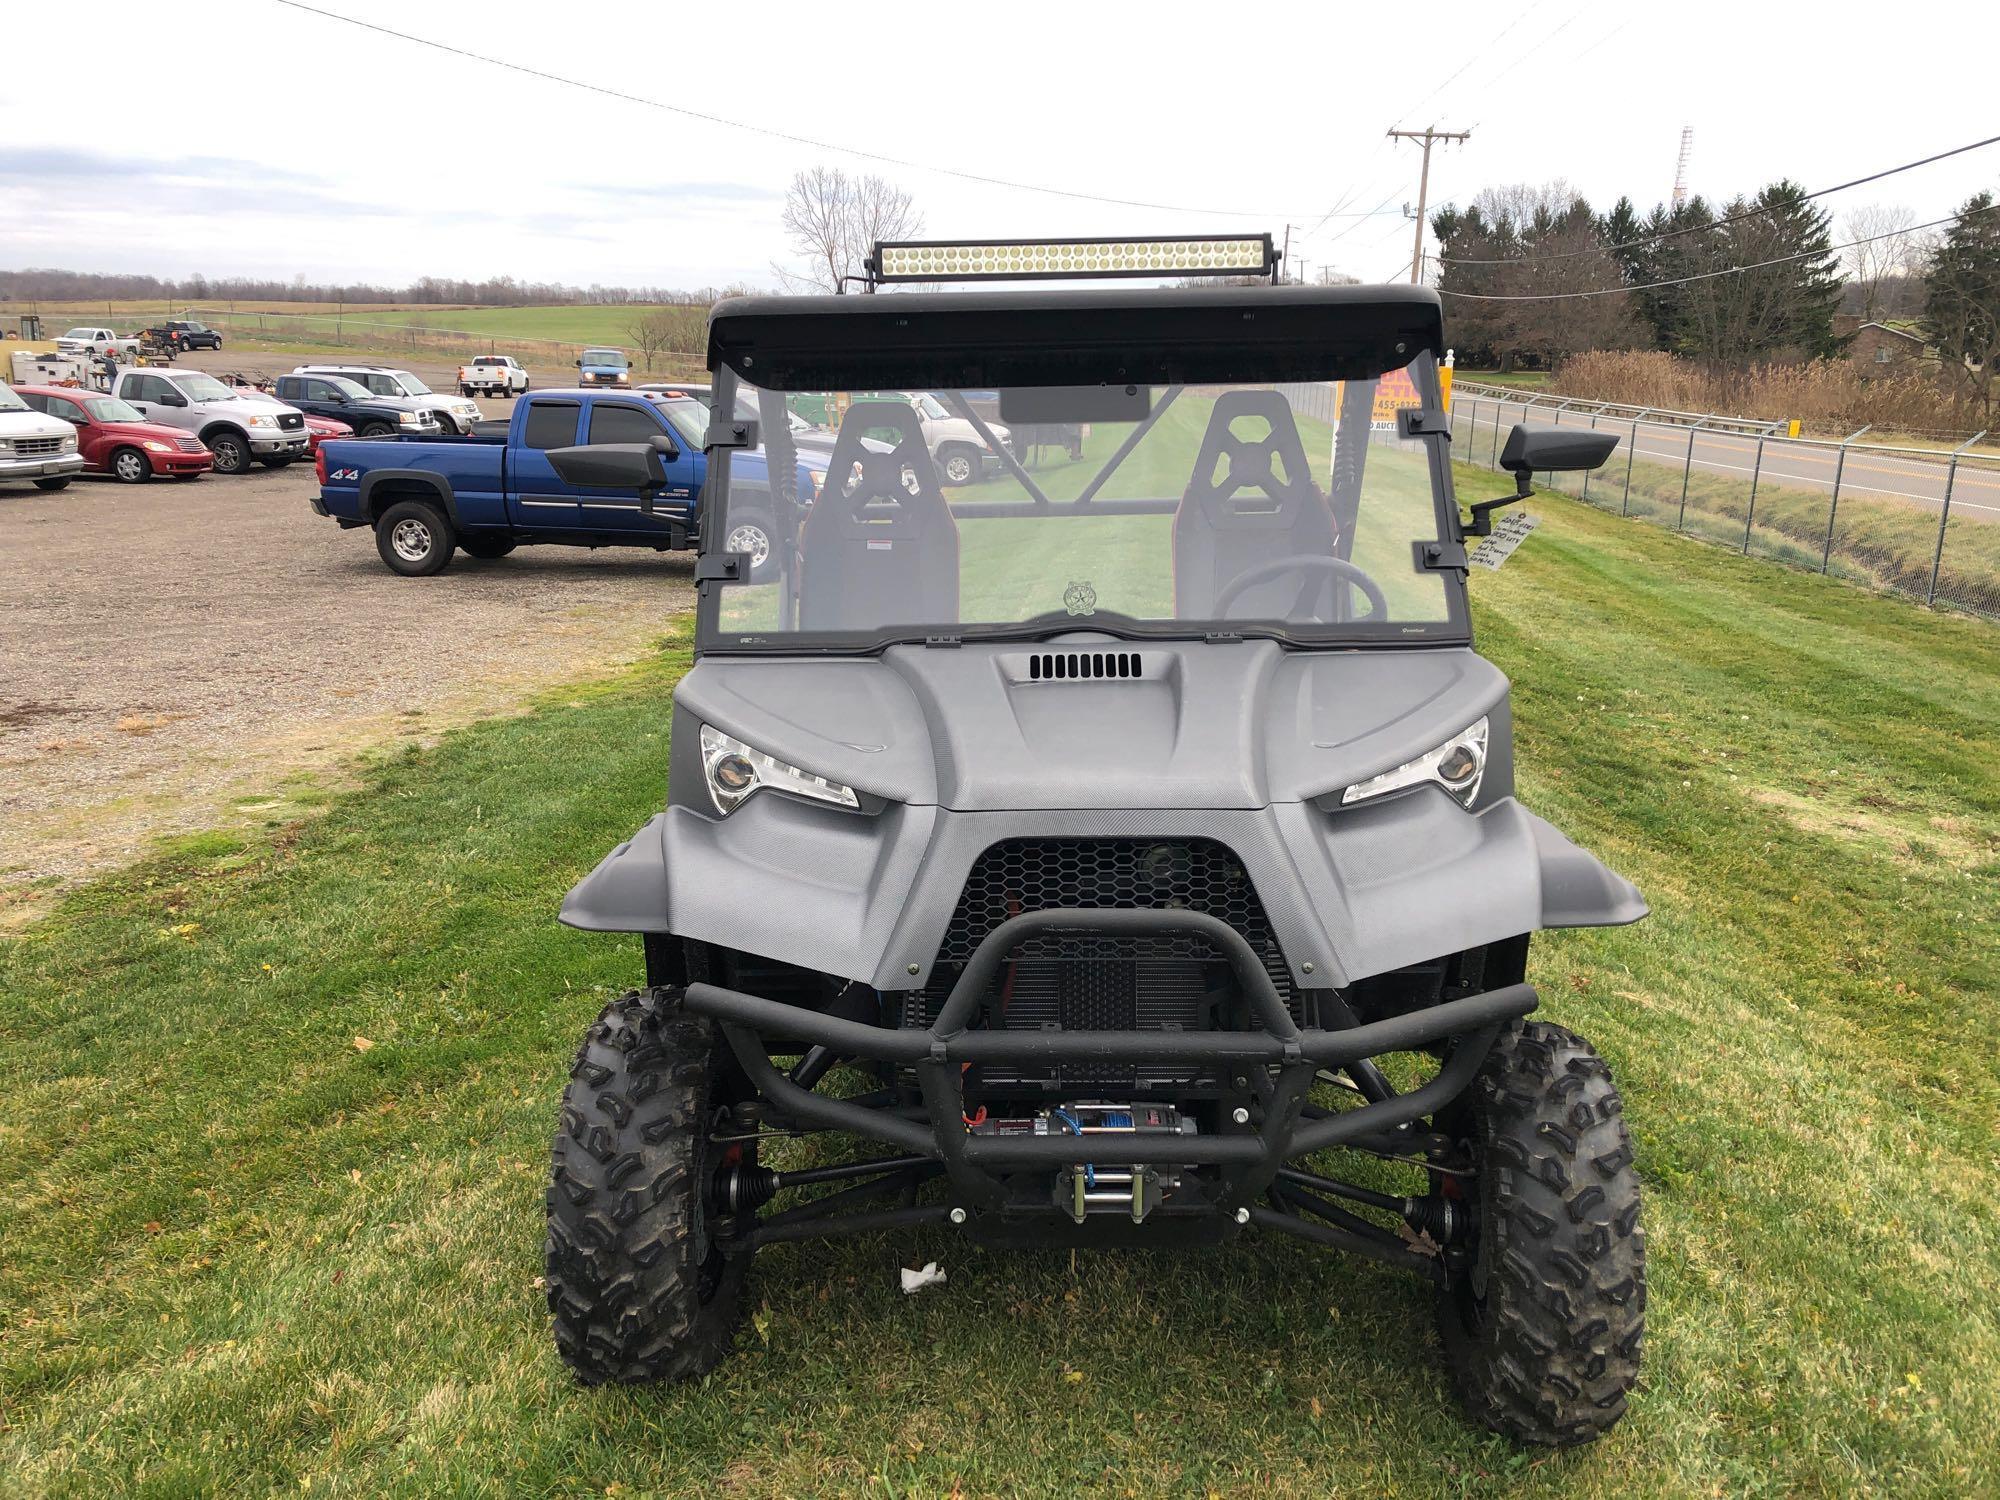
(455, 414)
(238, 424)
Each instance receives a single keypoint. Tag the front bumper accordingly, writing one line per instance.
(51, 466)
(265, 443)
(1276, 1060)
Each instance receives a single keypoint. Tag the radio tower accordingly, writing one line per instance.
(1681, 166)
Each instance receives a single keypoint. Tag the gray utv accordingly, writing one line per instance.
(1091, 836)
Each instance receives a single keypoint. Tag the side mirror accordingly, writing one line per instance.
(172, 398)
(617, 466)
(579, 364)
(1532, 450)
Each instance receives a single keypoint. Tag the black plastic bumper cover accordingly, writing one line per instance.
(1249, 1161)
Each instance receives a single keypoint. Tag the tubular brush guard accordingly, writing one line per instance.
(1247, 1163)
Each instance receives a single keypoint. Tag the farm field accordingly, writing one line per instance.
(279, 1104)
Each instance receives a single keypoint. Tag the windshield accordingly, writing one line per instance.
(609, 357)
(1295, 511)
(199, 387)
(353, 390)
(689, 419)
(11, 402)
(403, 383)
(111, 409)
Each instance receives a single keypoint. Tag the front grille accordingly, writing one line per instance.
(291, 421)
(1104, 983)
(46, 447)
(188, 444)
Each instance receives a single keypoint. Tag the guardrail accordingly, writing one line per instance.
(1620, 410)
(1920, 522)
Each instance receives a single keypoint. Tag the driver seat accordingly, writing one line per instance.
(878, 548)
(1250, 514)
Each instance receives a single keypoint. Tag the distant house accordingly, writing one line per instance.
(1882, 349)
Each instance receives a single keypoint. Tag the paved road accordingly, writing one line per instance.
(1866, 474)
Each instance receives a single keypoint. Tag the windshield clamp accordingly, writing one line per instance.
(1441, 557)
(1221, 638)
(722, 567)
(740, 434)
(1413, 421)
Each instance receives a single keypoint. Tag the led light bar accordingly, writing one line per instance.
(1007, 260)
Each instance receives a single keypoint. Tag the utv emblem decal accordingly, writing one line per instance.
(1080, 598)
(345, 474)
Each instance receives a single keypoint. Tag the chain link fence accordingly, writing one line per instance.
(1920, 522)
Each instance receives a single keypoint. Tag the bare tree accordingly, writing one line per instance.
(832, 220)
(1879, 256)
(652, 333)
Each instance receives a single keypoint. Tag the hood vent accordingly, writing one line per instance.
(1079, 666)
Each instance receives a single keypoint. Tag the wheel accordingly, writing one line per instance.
(414, 538)
(637, 1284)
(1544, 1320)
(465, 390)
(231, 450)
(751, 530)
(447, 427)
(377, 429)
(52, 484)
(958, 463)
(129, 466)
(486, 547)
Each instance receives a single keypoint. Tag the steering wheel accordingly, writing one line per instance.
(1336, 567)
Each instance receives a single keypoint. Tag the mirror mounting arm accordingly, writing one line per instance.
(1482, 513)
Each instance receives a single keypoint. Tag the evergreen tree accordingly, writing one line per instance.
(1961, 315)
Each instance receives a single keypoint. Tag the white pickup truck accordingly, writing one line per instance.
(98, 341)
(492, 375)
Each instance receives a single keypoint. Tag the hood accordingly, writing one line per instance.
(141, 431)
(1195, 725)
(15, 424)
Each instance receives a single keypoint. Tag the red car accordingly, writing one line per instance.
(319, 429)
(116, 440)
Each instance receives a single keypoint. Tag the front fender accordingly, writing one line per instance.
(869, 898)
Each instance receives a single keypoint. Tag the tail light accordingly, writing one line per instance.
(319, 463)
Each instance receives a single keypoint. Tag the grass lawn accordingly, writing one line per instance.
(277, 1116)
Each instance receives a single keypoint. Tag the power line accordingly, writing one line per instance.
(1669, 234)
(1649, 286)
(766, 130)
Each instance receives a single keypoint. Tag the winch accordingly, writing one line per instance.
(1104, 1187)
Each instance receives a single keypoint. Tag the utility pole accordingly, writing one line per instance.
(1285, 255)
(1430, 135)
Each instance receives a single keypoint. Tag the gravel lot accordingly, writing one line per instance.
(171, 653)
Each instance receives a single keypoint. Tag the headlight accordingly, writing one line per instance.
(260, 421)
(67, 444)
(153, 446)
(734, 770)
(410, 418)
(1458, 765)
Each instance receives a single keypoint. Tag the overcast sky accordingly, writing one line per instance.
(289, 143)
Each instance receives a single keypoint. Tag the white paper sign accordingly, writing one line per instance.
(1508, 533)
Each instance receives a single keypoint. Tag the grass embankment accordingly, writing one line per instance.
(1883, 544)
(244, 1253)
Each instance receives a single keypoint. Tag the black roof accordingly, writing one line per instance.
(1162, 336)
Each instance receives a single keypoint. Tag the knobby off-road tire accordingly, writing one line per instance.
(1544, 1333)
(636, 1283)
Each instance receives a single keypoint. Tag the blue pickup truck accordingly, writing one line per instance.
(494, 489)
